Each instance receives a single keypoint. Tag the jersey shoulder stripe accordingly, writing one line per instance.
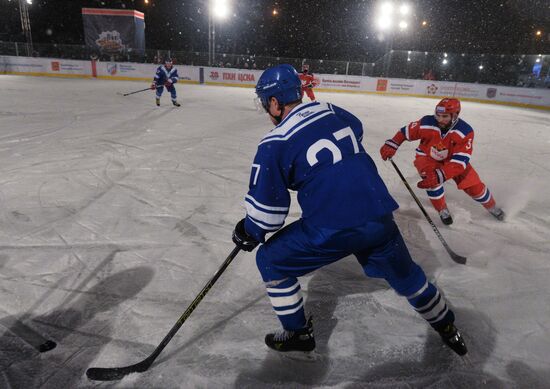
(462, 129)
(300, 120)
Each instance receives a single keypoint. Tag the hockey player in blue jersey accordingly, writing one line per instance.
(315, 149)
(166, 76)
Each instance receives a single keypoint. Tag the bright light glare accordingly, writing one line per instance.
(538, 60)
(445, 55)
(29, 1)
(539, 32)
(384, 22)
(403, 24)
(220, 8)
(424, 23)
(445, 62)
(404, 9)
(480, 67)
(387, 9)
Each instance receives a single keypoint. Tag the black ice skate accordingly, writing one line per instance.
(446, 217)
(497, 212)
(300, 340)
(175, 102)
(452, 338)
(157, 100)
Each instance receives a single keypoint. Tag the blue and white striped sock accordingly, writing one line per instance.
(288, 303)
(431, 305)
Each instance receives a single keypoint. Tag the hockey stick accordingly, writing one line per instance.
(455, 257)
(117, 373)
(131, 93)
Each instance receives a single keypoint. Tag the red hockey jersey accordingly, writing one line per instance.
(452, 147)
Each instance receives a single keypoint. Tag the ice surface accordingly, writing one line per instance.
(114, 213)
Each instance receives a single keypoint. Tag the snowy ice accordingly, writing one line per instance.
(115, 213)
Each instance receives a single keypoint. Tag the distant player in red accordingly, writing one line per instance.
(444, 153)
(308, 82)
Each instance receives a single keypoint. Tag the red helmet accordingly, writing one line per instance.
(448, 105)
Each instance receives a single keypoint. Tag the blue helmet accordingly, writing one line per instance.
(281, 82)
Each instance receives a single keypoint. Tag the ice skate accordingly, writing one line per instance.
(299, 340)
(157, 100)
(497, 212)
(446, 217)
(452, 338)
(176, 104)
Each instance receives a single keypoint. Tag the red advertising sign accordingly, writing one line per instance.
(381, 85)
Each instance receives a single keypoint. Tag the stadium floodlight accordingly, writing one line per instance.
(480, 67)
(384, 22)
(445, 55)
(220, 9)
(387, 9)
(444, 62)
(386, 19)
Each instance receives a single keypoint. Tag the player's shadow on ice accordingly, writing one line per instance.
(436, 366)
(80, 329)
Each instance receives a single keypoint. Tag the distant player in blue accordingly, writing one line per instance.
(315, 149)
(166, 76)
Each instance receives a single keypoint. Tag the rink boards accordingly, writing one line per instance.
(495, 94)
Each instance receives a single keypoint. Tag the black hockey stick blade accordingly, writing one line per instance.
(458, 258)
(117, 373)
(46, 346)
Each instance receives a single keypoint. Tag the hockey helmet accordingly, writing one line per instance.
(281, 82)
(448, 105)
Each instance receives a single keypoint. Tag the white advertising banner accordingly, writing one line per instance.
(232, 77)
(141, 71)
(340, 82)
(475, 92)
(44, 66)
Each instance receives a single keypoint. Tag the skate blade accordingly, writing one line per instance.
(303, 356)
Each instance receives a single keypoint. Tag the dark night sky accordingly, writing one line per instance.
(343, 30)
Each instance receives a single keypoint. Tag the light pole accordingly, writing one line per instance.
(217, 10)
(387, 15)
(26, 23)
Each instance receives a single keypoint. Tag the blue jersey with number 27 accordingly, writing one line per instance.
(316, 150)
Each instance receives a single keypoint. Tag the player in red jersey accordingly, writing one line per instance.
(308, 82)
(444, 153)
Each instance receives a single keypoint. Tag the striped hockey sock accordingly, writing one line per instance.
(288, 303)
(431, 305)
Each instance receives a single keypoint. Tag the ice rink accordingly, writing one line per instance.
(115, 213)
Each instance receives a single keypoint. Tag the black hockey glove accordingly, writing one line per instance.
(242, 239)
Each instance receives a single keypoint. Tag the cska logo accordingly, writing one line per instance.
(439, 147)
(439, 152)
